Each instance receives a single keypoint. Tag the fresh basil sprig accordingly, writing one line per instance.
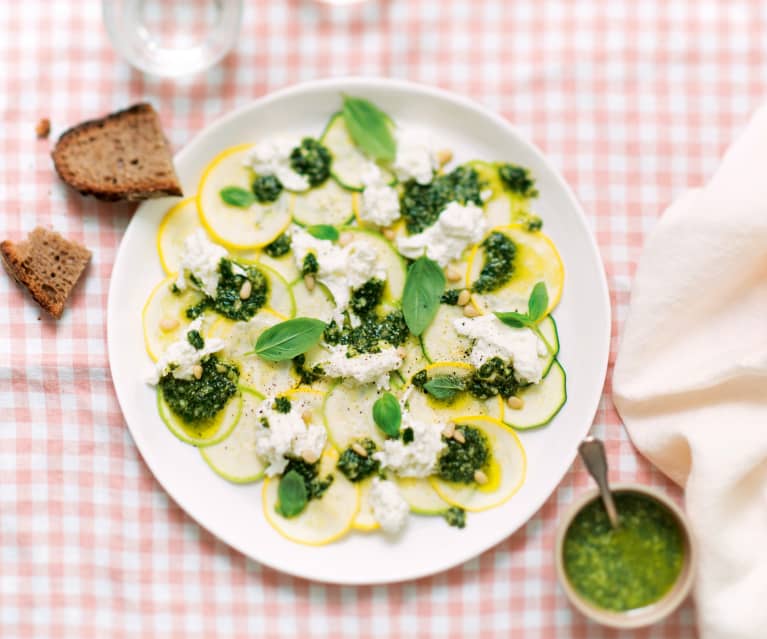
(387, 415)
(537, 305)
(237, 196)
(424, 285)
(444, 387)
(292, 496)
(323, 232)
(289, 338)
(370, 128)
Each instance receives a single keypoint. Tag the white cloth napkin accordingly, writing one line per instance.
(690, 380)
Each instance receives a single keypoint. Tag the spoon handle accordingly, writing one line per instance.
(592, 452)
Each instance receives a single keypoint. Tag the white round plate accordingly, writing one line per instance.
(234, 513)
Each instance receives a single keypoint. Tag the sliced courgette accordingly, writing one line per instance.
(317, 303)
(440, 341)
(234, 458)
(548, 328)
(505, 474)
(232, 226)
(542, 401)
(324, 520)
(536, 260)
(181, 221)
(421, 496)
(348, 161)
(328, 203)
(166, 309)
(203, 433)
(348, 414)
(396, 267)
(365, 520)
(280, 299)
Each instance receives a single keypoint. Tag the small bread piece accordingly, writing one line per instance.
(123, 156)
(48, 265)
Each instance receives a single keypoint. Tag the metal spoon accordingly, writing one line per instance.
(592, 452)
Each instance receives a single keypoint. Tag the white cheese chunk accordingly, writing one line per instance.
(492, 338)
(201, 258)
(380, 202)
(363, 368)
(272, 157)
(415, 158)
(286, 436)
(457, 227)
(417, 458)
(390, 509)
(341, 269)
(180, 358)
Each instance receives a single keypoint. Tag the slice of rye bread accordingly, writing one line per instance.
(48, 265)
(123, 156)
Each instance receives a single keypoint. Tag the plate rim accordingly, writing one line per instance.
(378, 83)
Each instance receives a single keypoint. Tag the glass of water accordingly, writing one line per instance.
(172, 38)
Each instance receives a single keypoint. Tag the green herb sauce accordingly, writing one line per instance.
(365, 298)
(315, 486)
(459, 461)
(278, 247)
(282, 405)
(227, 301)
(306, 376)
(498, 265)
(630, 567)
(494, 377)
(408, 435)
(312, 160)
(195, 339)
(310, 265)
(370, 334)
(267, 188)
(450, 296)
(198, 400)
(517, 179)
(421, 204)
(355, 466)
(455, 517)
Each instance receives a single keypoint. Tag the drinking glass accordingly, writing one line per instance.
(172, 38)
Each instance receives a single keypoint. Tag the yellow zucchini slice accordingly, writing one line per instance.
(506, 472)
(364, 520)
(421, 496)
(179, 222)
(204, 433)
(164, 307)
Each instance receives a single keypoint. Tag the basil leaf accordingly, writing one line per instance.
(236, 196)
(323, 231)
(289, 338)
(387, 414)
(291, 494)
(538, 302)
(515, 320)
(369, 127)
(424, 285)
(444, 387)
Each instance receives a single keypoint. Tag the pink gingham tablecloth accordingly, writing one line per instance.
(633, 100)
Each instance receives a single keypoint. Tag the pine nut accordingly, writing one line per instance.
(480, 477)
(402, 352)
(449, 430)
(197, 371)
(444, 156)
(516, 403)
(309, 456)
(464, 297)
(453, 274)
(309, 282)
(389, 234)
(306, 416)
(246, 290)
(458, 436)
(345, 239)
(168, 324)
(357, 448)
(471, 311)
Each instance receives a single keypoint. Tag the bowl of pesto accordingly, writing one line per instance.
(631, 576)
(375, 328)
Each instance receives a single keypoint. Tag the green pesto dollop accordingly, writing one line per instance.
(267, 188)
(494, 377)
(628, 567)
(310, 265)
(307, 376)
(197, 400)
(421, 204)
(455, 516)
(498, 264)
(312, 160)
(310, 473)
(282, 404)
(195, 339)
(227, 302)
(370, 335)
(279, 246)
(357, 467)
(459, 461)
(517, 179)
(364, 299)
(450, 296)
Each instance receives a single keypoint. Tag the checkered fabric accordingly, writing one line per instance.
(635, 101)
